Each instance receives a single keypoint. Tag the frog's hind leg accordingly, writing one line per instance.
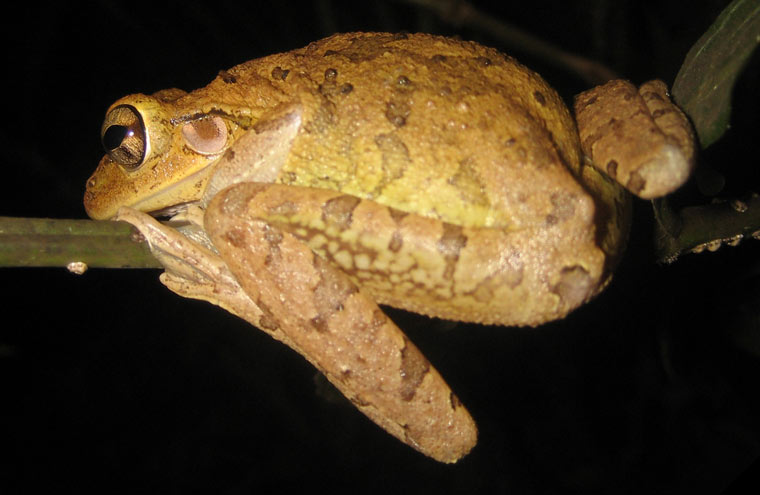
(337, 326)
(479, 274)
(636, 136)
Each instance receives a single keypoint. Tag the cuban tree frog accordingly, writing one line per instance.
(430, 174)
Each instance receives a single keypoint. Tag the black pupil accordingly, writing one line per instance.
(114, 136)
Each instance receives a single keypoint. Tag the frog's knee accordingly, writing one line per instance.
(663, 174)
(576, 285)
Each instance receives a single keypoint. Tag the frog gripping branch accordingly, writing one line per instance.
(304, 182)
(637, 136)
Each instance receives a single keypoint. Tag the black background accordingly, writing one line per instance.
(112, 383)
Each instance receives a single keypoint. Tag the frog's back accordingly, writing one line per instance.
(392, 117)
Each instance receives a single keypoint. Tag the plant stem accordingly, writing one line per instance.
(53, 242)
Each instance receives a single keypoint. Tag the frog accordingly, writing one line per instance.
(435, 175)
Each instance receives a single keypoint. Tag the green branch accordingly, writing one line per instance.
(708, 227)
(49, 242)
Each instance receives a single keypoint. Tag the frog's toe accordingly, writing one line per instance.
(661, 175)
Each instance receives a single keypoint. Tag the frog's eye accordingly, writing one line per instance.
(123, 136)
(207, 135)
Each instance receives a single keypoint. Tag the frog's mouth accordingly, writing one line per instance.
(110, 188)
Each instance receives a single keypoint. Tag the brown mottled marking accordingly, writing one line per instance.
(378, 320)
(450, 244)
(403, 81)
(324, 117)
(649, 95)
(267, 321)
(612, 169)
(227, 77)
(588, 140)
(285, 208)
(574, 286)
(397, 112)
(510, 276)
(320, 324)
(454, 400)
(330, 74)
(438, 58)
(395, 155)
(338, 212)
(396, 242)
(236, 237)
(540, 98)
(396, 214)
(273, 238)
(669, 118)
(484, 291)
(280, 73)
(484, 61)
(359, 402)
(413, 369)
(452, 240)
(469, 183)
(330, 293)
(346, 88)
(563, 205)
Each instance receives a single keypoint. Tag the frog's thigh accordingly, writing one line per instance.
(338, 328)
(430, 267)
(636, 136)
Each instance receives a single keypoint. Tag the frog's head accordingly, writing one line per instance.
(159, 153)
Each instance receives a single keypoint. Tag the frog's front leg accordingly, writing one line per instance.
(636, 136)
(195, 271)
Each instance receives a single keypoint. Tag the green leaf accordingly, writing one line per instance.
(704, 84)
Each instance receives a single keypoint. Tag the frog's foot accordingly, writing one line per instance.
(636, 136)
(339, 328)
